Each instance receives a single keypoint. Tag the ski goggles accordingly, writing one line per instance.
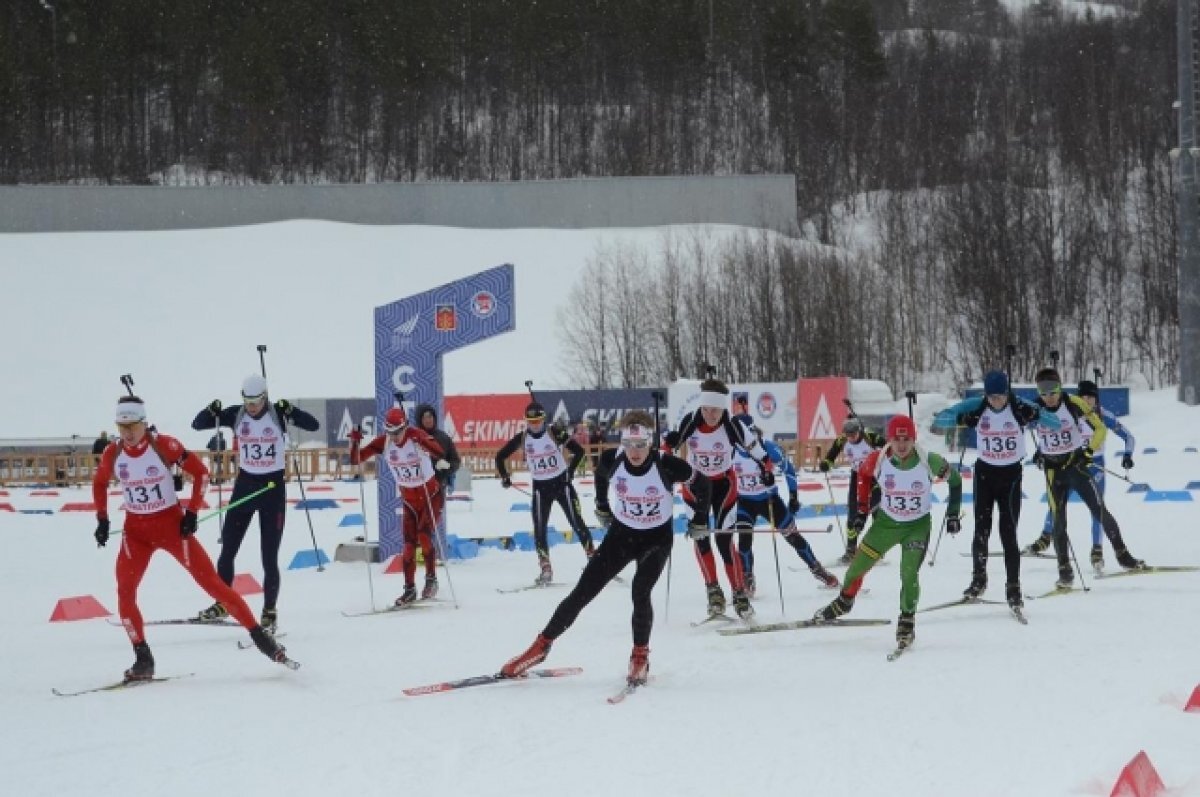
(1049, 388)
(123, 425)
(636, 445)
(252, 400)
(538, 418)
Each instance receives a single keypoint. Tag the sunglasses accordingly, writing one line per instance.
(1049, 388)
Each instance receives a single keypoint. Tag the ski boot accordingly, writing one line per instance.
(827, 579)
(639, 665)
(546, 575)
(408, 596)
(977, 587)
(267, 645)
(1012, 594)
(143, 666)
(851, 550)
(269, 621)
(534, 655)
(1066, 577)
(906, 630)
(741, 604)
(1037, 546)
(836, 608)
(751, 584)
(213, 613)
(1126, 560)
(431, 588)
(716, 600)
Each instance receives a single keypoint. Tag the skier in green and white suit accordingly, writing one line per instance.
(896, 486)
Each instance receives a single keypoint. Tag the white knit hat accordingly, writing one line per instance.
(130, 409)
(254, 386)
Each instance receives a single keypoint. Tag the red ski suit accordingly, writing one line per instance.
(146, 533)
(423, 505)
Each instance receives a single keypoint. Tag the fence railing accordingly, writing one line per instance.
(76, 469)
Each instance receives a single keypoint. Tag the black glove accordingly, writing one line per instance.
(177, 480)
(604, 517)
(1039, 459)
(824, 466)
(187, 523)
(215, 407)
(672, 440)
(793, 504)
(505, 482)
(1127, 461)
(857, 524)
(1081, 457)
(953, 525)
(767, 477)
(561, 436)
(284, 407)
(101, 533)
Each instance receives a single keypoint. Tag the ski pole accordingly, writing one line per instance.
(362, 502)
(1125, 479)
(775, 550)
(438, 543)
(1071, 548)
(836, 516)
(225, 508)
(945, 515)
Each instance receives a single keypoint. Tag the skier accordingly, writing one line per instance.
(857, 442)
(551, 474)
(1066, 458)
(415, 459)
(260, 428)
(1090, 393)
(141, 461)
(712, 436)
(755, 500)
(1000, 419)
(634, 494)
(896, 487)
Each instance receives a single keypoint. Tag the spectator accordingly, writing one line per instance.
(427, 419)
(584, 437)
(595, 443)
(100, 444)
(216, 444)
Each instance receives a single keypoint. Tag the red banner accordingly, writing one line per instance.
(484, 421)
(820, 409)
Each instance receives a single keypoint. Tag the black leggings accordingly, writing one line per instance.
(622, 545)
(271, 507)
(545, 495)
(998, 485)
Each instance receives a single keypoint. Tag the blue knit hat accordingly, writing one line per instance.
(995, 383)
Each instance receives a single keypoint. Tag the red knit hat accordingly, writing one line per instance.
(395, 420)
(901, 426)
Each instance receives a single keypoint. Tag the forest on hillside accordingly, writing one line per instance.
(1014, 173)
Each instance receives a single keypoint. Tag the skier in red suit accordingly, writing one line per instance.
(141, 461)
(414, 458)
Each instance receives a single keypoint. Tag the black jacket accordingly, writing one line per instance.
(451, 453)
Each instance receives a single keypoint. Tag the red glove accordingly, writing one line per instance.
(355, 435)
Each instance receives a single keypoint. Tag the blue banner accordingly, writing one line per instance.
(411, 335)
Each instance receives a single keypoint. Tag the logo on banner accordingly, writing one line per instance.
(822, 424)
(445, 319)
(402, 378)
(767, 405)
(483, 304)
(402, 335)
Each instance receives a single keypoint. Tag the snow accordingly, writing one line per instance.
(182, 311)
(981, 706)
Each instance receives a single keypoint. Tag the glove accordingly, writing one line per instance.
(1082, 457)
(442, 464)
(857, 524)
(793, 504)
(824, 466)
(505, 482)
(187, 524)
(1039, 460)
(697, 529)
(215, 407)
(672, 440)
(1127, 461)
(101, 533)
(284, 407)
(953, 525)
(177, 480)
(767, 478)
(355, 434)
(604, 517)
(561, 436)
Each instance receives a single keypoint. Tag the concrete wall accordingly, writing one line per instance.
(757, 201)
